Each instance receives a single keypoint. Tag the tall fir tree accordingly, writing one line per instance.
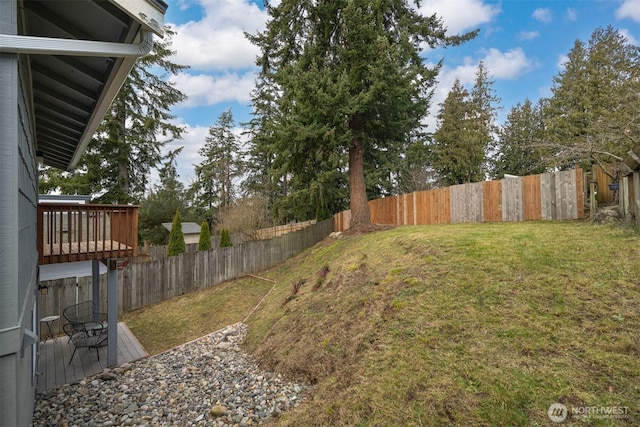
(215, 187)
(265, 179)
(451, 157)
(482, 121)
(466, 127)
(592, 116)
(349, 83)
(518, 150)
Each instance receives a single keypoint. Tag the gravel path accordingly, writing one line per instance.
(208, 382)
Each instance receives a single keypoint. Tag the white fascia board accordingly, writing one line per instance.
(149, 13)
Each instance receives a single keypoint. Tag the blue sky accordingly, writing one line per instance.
(522, 43)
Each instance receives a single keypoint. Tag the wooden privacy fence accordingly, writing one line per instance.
(144, 283)
(269, 233)
(558, 195)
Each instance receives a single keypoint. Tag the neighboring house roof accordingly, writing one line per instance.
(187, 227)
(80, 53)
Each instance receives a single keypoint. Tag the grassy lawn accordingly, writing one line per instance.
(475, 324)
(165, 325)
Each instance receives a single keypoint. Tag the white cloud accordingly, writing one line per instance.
(629, 9)
(542, 15)
(562, 61)
(205, 89)
(192, 140)
(571, 15)
(218, 41)
(184, 4)
(631, 40)
(545, 92)
(507, 65)
(460, 15)
(529, 35)
(500, 65)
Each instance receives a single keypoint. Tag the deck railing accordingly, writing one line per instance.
(76, 232)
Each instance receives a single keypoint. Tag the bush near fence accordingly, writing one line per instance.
(144, 283)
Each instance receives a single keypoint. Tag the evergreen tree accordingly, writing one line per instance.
(592, 115)
(128, 143)
(348, 83)
(162, 202)
(204, 242)
(417, 172)
(483, 112)
(176, 237)
(225, 239)
(465, 133)
(265, 177)
(518, 150)
(214, 187)
(451, 154)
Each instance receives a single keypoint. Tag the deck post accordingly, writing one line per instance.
(112, 313)
(95, 282)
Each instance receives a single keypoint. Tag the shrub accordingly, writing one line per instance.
(204, 243)
(294, 291)
(323, 271)
(322, 274)
(225, 239)
(176, 238)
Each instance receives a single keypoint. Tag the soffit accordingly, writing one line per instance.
(70, 94)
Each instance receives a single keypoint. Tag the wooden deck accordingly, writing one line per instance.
(70, 232)
(81, 251)
(54, 359)
(74, 248)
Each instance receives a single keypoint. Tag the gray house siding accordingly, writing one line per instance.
(18, 227)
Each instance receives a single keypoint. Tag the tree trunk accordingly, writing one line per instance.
(357, 189)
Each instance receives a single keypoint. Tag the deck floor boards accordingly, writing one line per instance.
(54, 365)
(68, 248)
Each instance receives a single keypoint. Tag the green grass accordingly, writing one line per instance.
(173, 322)
(478, 324)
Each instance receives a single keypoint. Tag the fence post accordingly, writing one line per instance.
(636, 196)
(593, 202)
(624, 199)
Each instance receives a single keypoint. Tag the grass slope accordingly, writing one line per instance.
(483, 324)
(477, 324)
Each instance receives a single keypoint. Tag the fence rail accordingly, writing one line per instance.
(558, 195)
(144, 283)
